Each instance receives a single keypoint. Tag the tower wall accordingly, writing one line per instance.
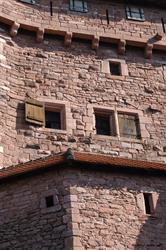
(77, 78)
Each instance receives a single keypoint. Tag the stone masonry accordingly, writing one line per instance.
(61, 60)
(73, 76)
(93, 209)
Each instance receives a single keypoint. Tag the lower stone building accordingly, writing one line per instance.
(81, 201)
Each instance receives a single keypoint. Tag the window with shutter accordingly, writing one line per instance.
(34, 112)
(128, 125)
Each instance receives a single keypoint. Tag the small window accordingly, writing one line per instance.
(105, 123)
(28, 1)
(148, 203)
(129, 125)
(49, 201)
(134, 13)
(115, 68)
(78, 5)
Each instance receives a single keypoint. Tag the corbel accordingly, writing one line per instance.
(122, 47)
(68, 39)
(14, 29)
(95, 42)
(40, 35)
(148, 51)
(159, 35)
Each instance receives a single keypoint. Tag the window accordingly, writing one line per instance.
(105, 123)
(115, 68)
(78, 5)
(149, 209)
(135, 13)
(128, 125)
(28, 1)
(117, 123)
(49, 201)
(45, 114)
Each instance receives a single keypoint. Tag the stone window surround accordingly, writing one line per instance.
(68, 123)
(143, 132)
(141, 203)
(105, 68)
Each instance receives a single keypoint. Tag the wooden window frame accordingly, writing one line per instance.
(130, 12)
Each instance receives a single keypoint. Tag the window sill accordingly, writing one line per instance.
(105, 137)
(126, 139)
(51, 130)
(108, 75)
(116, 138)
(135, 20)
(145, 217)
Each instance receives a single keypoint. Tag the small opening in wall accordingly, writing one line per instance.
(115, 68)
(49, 201)
(148, 203)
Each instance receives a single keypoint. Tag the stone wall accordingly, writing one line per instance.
(25, 220)
(109, 213)
(38, 15)
(93, 209)
(76, 78)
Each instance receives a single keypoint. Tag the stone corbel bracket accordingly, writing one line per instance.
(40, 35)
(121, 47)
(95, 42)
(148, 51)
(68, 39)
(159, 35)
(14, 29)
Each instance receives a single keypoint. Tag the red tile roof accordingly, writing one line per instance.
(79, 157)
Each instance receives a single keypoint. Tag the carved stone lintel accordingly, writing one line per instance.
(122, 47)
(68, 39)
(148, 51)
(95, 42)
(40, 35)
(14, 29)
